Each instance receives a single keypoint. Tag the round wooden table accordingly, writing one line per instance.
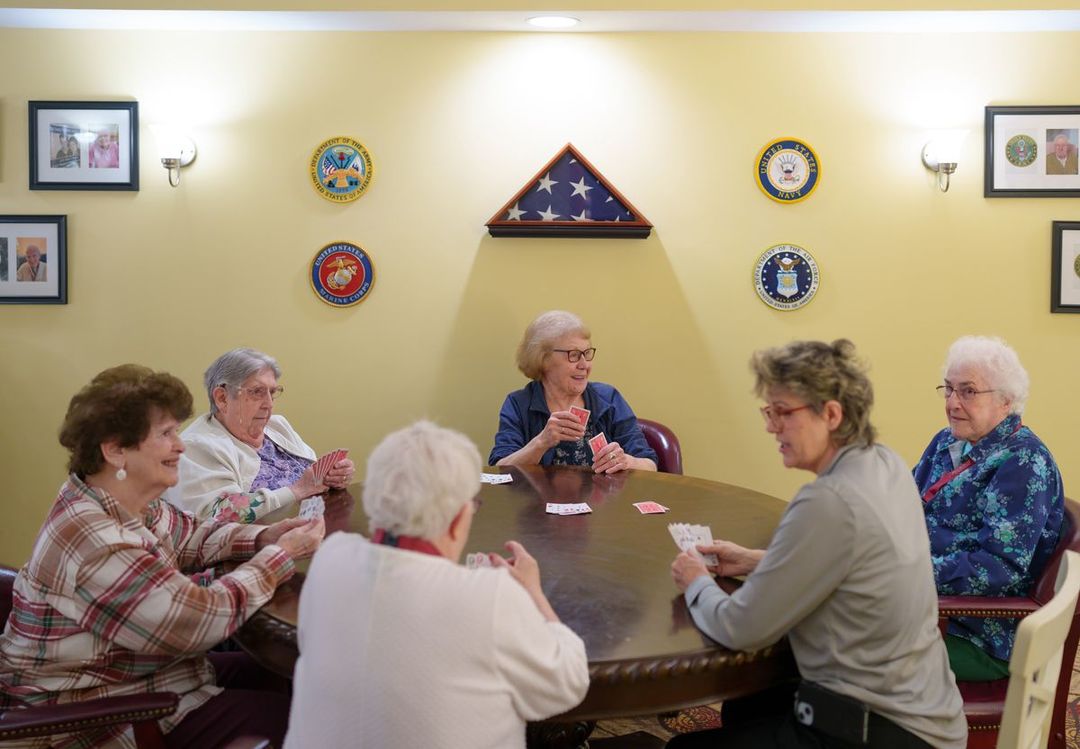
(607, 576)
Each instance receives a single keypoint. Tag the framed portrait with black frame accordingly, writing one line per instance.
(1031, 152)
(1065, 267)
(84, 145)
(33, 259)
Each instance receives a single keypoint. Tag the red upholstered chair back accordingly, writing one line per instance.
(666, 444)
(7, 583)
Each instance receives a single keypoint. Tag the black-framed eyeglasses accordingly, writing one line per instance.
(965, 393)
(259, 392)
(574, 355)
(773, 414)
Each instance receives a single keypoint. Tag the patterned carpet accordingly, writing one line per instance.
(651, 731)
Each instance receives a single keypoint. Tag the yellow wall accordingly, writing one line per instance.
(457, 123)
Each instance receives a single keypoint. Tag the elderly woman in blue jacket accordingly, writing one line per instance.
(545, 422)
(992, 496)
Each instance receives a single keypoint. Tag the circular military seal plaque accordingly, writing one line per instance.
(1076, 266)
(341, 169)
(786, 277)
(1021, 150)
(787, 170)
(342, 274)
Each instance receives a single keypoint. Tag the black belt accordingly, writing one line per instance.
(849, 720)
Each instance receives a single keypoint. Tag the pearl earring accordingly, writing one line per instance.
(121, 474)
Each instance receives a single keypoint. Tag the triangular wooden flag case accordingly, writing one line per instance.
(568, 197)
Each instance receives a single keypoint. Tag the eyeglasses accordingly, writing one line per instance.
(574, 355)
(773, 414)
(965, 393)
(259, 392)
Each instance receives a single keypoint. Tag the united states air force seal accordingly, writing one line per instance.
(786, 277)
(341, 169)
(1021, 150)
(342, 274)
(787, 170)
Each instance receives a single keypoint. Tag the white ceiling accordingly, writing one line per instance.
(591, 21)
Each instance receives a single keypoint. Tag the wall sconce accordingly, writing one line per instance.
(941, 154)
(175, 149)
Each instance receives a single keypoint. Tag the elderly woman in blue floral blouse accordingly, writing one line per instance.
(540, 423)
(992, 496)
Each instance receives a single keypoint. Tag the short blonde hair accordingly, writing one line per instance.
(998, 362)
(540, 338)
(419, 478)
(819, 372)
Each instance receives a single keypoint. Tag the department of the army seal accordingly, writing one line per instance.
(341, 169)
(1021, 150)
(787, 170)
(786, 277)
(342, 274)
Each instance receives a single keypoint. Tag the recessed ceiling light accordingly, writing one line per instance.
(553, 22)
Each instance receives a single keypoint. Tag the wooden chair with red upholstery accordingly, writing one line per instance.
(984, 702)
(665, 443)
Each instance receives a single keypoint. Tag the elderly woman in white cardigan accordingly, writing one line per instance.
(242, 459)
(401, 646)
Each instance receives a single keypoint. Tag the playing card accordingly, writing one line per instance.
(648, 508)
(312, 507)
(581, 413)
(689, 537)
(326, 462)
(495, 478)
(555, 508)
(476, 560)
(598, 443)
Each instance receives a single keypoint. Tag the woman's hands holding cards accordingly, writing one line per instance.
(298, 537)
(523, 568)
(306, 486)
(562, 426)
(610, 459)
(340, 474)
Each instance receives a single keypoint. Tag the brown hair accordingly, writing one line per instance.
(818, 372)
(118, 405)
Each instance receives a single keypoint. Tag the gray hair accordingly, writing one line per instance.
(997, 362)
(233, 368)
(540, 338)
(418, 479)
(819, 372)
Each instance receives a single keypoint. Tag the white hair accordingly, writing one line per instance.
(419, 478)
(998, 362)
(233, 368)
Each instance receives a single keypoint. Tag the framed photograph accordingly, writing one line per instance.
(1065, 267)
(1031, 152)
(33, 259)
(84, 145)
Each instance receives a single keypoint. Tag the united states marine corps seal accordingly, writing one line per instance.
(1021, 150)
(342, 274)
(786, 277)
(787, 170)
(341, 169)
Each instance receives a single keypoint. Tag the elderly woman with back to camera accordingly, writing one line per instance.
(449, 656)
(538, 423)
(121, 595)
(847, 577)
(243, 460)
(992, 496)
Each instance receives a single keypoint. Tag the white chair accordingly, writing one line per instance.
(1036, 663)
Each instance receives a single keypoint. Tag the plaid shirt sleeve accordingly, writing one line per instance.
(128, 590)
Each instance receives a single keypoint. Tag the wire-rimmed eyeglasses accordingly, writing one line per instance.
(574, 355)
(965, 393)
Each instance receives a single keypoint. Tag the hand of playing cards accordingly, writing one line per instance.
(312, 507)
(477, 559)
(323, 465)
(689, 537)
